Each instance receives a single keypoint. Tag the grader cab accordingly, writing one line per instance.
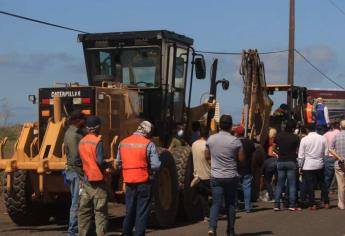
(131, 76)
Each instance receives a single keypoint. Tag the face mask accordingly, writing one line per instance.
(180, 133)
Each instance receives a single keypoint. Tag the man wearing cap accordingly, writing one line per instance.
(245, 168)
(93, 198)
(322, 116)
(73, 171)
(225, 151)
(137, 157)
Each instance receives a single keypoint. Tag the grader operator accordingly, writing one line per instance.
(131, 76)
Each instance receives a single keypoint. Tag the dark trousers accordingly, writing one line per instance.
(204, 189)
(312, 178)
(224, 189)
(270, 170)
(138, 206)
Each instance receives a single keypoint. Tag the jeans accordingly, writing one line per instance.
(246, 181)
(138, 206)
(286, 171)
(270, 170)
(224, 189)
(312, 178)
(329, 170)
(72, 180)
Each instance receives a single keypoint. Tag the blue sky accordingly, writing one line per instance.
(33, 55)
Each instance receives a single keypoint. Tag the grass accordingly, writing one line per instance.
(12, 133)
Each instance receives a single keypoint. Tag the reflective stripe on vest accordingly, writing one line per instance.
(309, 113)
(133, 153)
(88, 155)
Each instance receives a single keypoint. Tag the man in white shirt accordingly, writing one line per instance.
(312, 149)
(202, 170)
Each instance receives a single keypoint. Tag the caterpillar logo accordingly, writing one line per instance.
(65, 94)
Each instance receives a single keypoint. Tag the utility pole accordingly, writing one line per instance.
(291, 51)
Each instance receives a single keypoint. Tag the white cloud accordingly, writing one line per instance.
(38, 62)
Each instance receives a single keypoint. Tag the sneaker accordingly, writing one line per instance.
(210, 233)
(313, 208)
(276, 209)
(205, 219)
(295, 209)
(326, 206)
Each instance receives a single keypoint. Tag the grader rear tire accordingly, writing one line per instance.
(18, 202)
(192, 201)
(165, 192)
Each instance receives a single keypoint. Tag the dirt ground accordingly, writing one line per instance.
(263, 221)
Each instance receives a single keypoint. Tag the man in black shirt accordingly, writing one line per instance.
(245, 168)
(287, 145)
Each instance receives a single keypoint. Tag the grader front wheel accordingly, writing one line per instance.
(165, 192)
(20, 208)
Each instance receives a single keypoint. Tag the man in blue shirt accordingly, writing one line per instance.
(322, 116)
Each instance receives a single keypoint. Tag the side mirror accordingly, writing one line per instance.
(225, 84)
(32, 98)
(200, 68)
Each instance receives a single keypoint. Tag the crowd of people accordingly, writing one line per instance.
(297, 161)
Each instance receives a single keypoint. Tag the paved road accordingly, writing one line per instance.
(261, 222)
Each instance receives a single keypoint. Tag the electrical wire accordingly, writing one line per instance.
(318, 70)
(199, 51)
(238, 53)
(42, 22)
(337, 7)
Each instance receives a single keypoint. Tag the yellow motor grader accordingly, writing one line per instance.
(132, 76)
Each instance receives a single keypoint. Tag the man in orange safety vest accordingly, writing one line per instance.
(93, 196)
(309, 111)
(137, 158)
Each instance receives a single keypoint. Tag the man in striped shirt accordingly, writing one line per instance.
(338, 150)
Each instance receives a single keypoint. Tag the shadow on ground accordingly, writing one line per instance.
(257, 233)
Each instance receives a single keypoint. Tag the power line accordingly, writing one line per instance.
(200, 51)
(318, 70)
(337, 7)
(238, 53)
(42, 22)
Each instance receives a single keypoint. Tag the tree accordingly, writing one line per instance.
(5, 111)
